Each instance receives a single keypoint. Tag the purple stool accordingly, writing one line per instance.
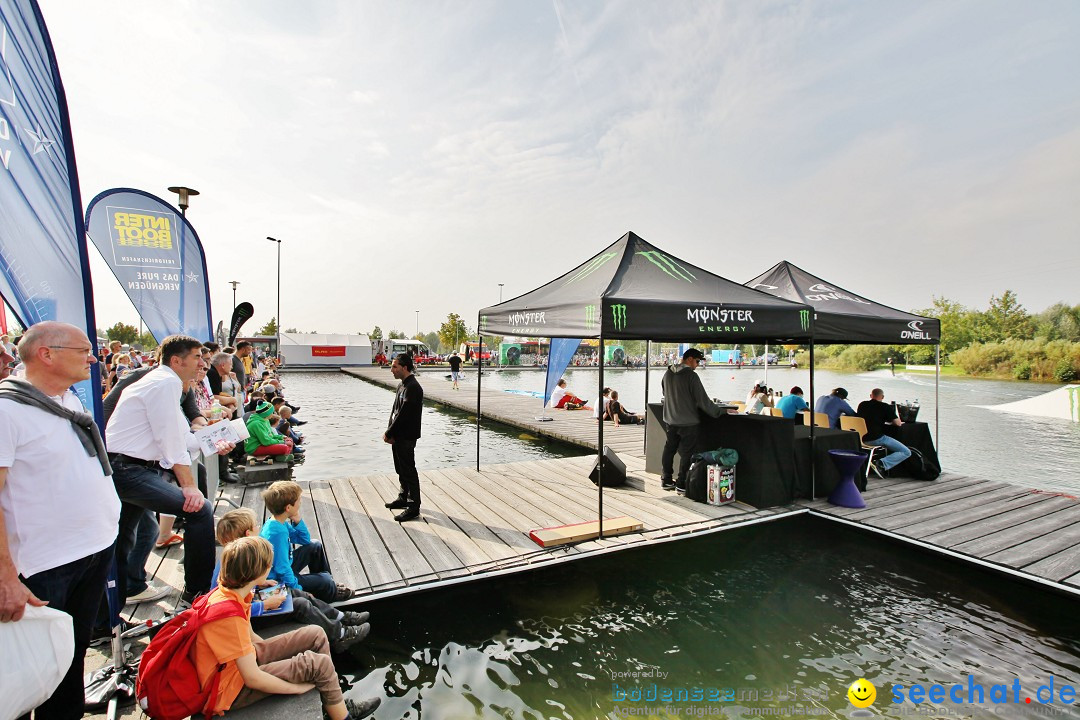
(845, 494)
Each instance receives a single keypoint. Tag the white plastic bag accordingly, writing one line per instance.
(35, 654)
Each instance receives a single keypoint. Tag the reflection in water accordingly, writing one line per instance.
(797, 609)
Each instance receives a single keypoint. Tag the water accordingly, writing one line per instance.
(1029, 451)
(802, 607)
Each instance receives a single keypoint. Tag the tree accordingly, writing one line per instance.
(431, 339)
(1059, 322)
(376, 333)
(959, 325)
(1006, 318)
(453, 332)
(269, 328)
(147, 341)
(291, 330)
(396, 335)
(123, 332)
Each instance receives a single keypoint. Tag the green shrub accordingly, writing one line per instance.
(1022, 371)
(1065, 371)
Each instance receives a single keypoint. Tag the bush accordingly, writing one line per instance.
(858, 357)
(1021, 359)
(1065, 371)
(1022, 371)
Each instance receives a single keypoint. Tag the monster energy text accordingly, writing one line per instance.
(618, 316)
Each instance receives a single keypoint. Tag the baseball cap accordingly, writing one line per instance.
(693, 353)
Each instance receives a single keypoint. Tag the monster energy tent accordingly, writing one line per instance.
(844, 317)
(634, 291)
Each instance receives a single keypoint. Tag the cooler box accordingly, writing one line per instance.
(720, 485)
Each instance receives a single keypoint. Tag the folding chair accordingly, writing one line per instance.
(858, 424)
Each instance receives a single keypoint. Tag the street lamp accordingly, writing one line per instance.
(234, 283)
(500, 292)
(417, 322)
(184, 193)
(277, 324)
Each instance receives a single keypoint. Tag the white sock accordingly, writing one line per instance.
(341, 631)
(340, 615)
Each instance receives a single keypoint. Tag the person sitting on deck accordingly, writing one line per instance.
(619, 414)
(792, 403)
(248, 668)
(344, 629)
(880, 420)
(834, 405)
(563, 398)
(263, 440)
(285, 530)
(601, 411)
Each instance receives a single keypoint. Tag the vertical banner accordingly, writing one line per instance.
(44, 268)
(560, 353)
(158, 259)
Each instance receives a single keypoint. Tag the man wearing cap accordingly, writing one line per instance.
(684, 401)
(834, 405)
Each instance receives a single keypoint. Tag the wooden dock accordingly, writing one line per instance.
(576, 427)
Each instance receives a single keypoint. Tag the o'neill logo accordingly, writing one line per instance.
(618, 316)
(915, 331)
(824, 292)
(763, 285)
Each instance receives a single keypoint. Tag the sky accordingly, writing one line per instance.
(414, 156)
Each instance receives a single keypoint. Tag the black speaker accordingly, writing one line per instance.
(614, 470)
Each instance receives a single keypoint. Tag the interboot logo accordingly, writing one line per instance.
(669, 266)
(591, 318)
(804, 319)
(618, 316)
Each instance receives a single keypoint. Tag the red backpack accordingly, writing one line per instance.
(167, 687)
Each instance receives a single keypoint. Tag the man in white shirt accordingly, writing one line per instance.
(60, 510)
(148, 438)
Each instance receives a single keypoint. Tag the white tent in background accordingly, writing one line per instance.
(313, 350)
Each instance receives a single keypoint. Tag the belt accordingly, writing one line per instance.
(121, 459)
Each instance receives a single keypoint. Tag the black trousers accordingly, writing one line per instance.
(405, 467)
(684, 440)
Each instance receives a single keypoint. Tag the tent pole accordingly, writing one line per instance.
(937, 394)
(766, 364)
(600, 437)
(648, 362)
(813, 479)
(479, 374)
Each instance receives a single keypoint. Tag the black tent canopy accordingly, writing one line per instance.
(632, 290)
(841, 316)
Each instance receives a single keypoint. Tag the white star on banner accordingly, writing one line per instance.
(41, 141)
(192, 277)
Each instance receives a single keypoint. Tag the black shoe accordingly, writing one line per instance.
(344, 593)
(354, 618)
(230, 478)
(361, 708)
(666, 484)
(410, 514)
(295, 421)
(876, 467)
(399, 504)
(352, 635)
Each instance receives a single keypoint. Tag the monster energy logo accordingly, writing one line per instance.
(669, 266)
(804, 319)
(590, 267)
(591, 317)
(618, 316)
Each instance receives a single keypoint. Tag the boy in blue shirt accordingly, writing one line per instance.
(792, 403)
(294, 550)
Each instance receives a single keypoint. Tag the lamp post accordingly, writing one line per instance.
(184, 193)
(277, 321)
(234, 283)
(417, 322)
(500, 292)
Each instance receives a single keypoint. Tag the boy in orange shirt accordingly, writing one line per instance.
(289, 664)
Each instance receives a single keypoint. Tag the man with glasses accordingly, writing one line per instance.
(148, 438)
(59, 509)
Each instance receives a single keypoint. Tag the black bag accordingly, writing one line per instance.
(919, 466)
(696, 481)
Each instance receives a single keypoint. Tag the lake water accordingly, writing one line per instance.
(799, 609)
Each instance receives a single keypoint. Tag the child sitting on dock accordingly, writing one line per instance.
(344, 629)
(248, 668)
(263, 440)
(284, 531)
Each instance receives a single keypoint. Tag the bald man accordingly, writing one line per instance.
(60, 510)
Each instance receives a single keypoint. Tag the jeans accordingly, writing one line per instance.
(684, 439)
(405, 466)
(318, 581)
(74, 588)
(307, 610)
(141, 488)
(898, 451)
(145, 538)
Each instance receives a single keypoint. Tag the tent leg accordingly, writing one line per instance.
(937, 395)
(600, 439)
(648, 356)
(479, 374)
(813, 479)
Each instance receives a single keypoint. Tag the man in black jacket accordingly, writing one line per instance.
(402, 434)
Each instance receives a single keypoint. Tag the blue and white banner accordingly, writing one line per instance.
(560, 353)
(44, 268)
(158, 259)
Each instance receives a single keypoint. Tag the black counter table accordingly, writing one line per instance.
(918, 436)
(826, 476)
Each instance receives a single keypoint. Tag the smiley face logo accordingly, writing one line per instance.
(861, 693)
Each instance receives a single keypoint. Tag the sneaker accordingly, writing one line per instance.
(878, 470)
(410, 513)
(361, 708)
(186, 598)
(351, 634)
(667, 484)
(151, 593)
(399, 504)
(344, 593)
(354, 618)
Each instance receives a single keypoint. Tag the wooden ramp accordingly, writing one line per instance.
(1027, 533)
(577, 427)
